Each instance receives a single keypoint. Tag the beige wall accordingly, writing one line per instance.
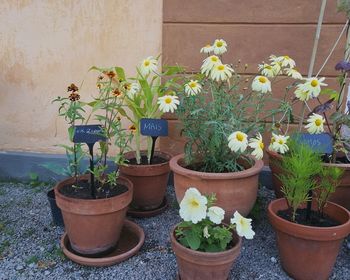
(45, 45)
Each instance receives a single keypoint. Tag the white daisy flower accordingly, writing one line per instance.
(219, 46)
(221, 72)
(238, 141)
(243, 226)
(301, 93)
(284, 60)
(193, 207)
(131, 89)
(315, 124)
(216, 214)
(207, 49)
(168, 103)
(209, 63)
(294, 73)
(148, 65)
(268, 70)
(258, 146)
(261, 84)
(313, 86)
(279, 143)
(193, 88)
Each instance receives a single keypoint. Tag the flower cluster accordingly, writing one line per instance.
(202, 228)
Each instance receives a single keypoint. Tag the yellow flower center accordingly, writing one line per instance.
(262, 80)
(221, 67)
(273, 139)
(314, 83)
(214, 59)
(219, 44)
(318, 122)
(268, 67)
(286, 57)
(261, 145)
(281, 142)
(168, 100)
(147, 63)
(239, 136)
(193, 84)
(194, 203)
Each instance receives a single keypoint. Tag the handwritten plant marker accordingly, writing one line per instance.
(154, 128)
(89, 134)
(320, 143)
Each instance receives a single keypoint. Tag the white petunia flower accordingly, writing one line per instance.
(301, 93)
(261, 84)
(284, 60)
(258, 146)
(294, 73)
(209, 63)
(279, 143)
(221, 72)
(206, 232)
(168, 103)
(131, 89)
(193, 88)
(315, 124)
(313, 86)
(148, 65)
(207, 49)
(243, 226)
(238, 141)
(269, 70)
(216, 214)
(219, 46)
(193, 207)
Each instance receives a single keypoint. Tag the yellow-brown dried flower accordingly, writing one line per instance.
(110, 74)
(132, 128)
(116, 92)
(72, 88)
(74, 96)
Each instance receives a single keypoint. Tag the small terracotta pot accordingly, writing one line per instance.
(93, 225)
(341, 195)
(234, 190)
(149, 181)
(195, 265)
(307, 252)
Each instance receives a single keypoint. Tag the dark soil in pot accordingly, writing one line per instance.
(82, 190)
(144, 160)
(315, 219)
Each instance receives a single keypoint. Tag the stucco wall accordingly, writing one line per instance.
(45, 45)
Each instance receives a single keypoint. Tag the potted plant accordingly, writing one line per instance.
(94, 206)
(204, 246)
(222, 118)
(146, 97)
(309, 229)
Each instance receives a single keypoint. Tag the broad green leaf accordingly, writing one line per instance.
(193, 239)
(120, 72)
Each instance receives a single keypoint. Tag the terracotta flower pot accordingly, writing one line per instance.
(93, 225)
(149, 181)
(341, 195)
(234, 190)
(307, 252)
(195, 265)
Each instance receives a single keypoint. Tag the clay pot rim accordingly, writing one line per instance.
(253, 170)
(59, 195)
(320, 230)
(164, 155)
(202, 254)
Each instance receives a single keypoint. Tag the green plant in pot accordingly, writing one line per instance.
(309, 229)
(205, 247)
(223, 115)
(147, 96)
(94, 205)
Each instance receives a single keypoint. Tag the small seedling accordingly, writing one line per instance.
(32, 259)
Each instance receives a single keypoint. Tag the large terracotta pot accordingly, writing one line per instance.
(307, 252)
(149, 181)
(93, 225)
(234, 190)
(195, 265)
(341, 195)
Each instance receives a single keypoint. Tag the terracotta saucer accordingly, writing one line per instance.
(148, 213)
(131, 239)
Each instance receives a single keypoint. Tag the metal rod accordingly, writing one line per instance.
(154, 138)
(92, 178)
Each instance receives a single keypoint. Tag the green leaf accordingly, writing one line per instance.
(192, 239)
(120, 72)
(333, 94)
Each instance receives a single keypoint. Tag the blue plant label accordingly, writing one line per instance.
(321, 143)
(154, 127)
(88, 134)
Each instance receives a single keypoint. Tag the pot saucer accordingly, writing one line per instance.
(131, 239)
(148, 213)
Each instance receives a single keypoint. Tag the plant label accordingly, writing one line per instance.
(88, 134)
(154, 127)
(321, 143)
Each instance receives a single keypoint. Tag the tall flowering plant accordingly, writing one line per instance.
(202, 227)
(147, 96)
(224, 113)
